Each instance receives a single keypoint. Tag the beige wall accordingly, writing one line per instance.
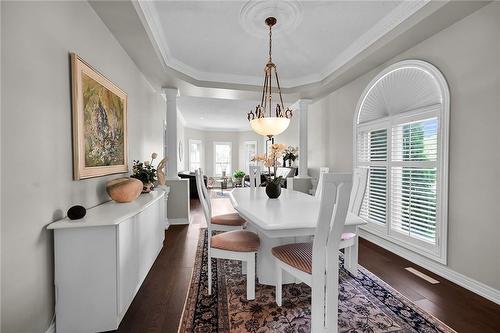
(468, 54)
(37, 185)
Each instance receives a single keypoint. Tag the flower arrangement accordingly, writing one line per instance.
(145, 172)
(290, 154)
(271, 160)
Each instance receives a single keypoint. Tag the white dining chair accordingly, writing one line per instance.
(224, 222)
(322, 171)
(350, 240)
(316, 263)
(239, 245)
(254, 174)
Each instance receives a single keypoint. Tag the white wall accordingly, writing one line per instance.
(468, 54)
(37, 186)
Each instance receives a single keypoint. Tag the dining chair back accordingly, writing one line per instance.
(325, 258)
(221, 222)
(359, 181)
(254, 174)
(319, 187)
(350, 240)
(205, 202)
(234, 243)
(318, 263)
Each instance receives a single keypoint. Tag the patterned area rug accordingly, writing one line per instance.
(367, 304)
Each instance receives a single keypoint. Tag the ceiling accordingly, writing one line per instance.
(217, 49)
(215, 114)
(226, 41)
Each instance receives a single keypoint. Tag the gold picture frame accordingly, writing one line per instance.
(99, 111)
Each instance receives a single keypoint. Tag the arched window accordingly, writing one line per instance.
(401, 135)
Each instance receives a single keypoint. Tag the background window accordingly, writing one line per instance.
(250, 150)
(401, 128)
(222, 157)
(195, 155)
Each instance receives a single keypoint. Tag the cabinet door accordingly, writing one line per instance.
(147, 227)
(161, 222)
(128, 261)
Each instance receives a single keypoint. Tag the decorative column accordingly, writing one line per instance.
(170, 146)
(303, 105)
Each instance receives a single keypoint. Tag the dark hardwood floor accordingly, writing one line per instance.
(158, 305)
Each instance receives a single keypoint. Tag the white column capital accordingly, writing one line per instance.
(302, 104)
(170, 92)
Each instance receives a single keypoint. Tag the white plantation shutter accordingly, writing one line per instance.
(402, 188)
(413, 202)
(372, 153)
(374, 204)
(414, 179)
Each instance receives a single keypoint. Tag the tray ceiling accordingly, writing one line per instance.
(215, 114)
(226, 41)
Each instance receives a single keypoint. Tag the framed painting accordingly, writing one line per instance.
(99, 110)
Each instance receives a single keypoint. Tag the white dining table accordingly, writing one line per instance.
(291, 218)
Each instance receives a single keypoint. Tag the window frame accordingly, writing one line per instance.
(437, 252)
(202, 157)
(230, 163)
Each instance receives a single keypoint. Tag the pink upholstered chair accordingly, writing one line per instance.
(316, 263)
(239, 245)
(225, 222)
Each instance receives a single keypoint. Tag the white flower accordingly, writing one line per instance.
(146, 163)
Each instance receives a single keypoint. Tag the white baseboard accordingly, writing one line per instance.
(178, 221)
(52, 328)
(475, 286)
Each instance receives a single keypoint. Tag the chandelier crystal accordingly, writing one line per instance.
(263, 120)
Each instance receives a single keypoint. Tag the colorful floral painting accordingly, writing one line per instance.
(103, 125)
(99, 123)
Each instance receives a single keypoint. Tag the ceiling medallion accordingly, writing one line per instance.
(275, 123)
(252, 12)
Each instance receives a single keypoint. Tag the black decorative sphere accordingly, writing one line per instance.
(76, 212)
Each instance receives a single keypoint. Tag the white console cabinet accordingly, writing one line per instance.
(102, 260)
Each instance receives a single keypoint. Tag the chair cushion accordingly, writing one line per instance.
(237, 240)
(297, 255)
(233, 219)
(347, 236)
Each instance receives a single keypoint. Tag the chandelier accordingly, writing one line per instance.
(263, 120)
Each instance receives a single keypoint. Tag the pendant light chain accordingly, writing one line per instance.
(267, 92)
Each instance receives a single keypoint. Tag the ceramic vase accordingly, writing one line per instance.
(273, 190)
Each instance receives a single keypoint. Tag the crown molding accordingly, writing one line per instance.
(152, 24)
(214, 129)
